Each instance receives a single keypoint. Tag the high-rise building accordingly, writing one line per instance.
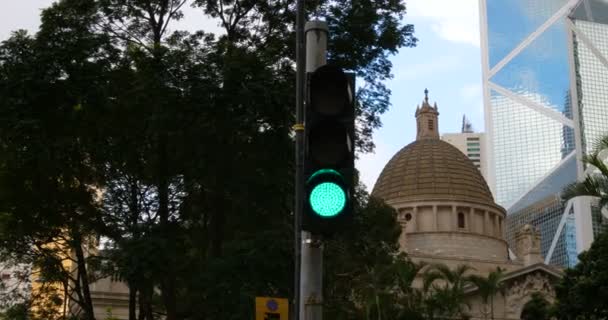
(471, 144)
(545, 74)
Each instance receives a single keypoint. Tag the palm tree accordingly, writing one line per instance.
(376, 290)
(410, 298)
(445, 291)
(489, 286)
(596, 184)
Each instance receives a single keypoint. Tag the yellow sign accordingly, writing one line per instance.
(271, 308)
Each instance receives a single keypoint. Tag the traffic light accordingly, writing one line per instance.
(329, 154)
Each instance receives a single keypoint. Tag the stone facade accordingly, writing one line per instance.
(449, 216)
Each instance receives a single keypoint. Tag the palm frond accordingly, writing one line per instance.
(597, 162)
(593, 186)
(462, 269)
(603, 203)
(429, 278)
(601, 144)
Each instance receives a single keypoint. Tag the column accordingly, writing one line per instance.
(469, 223)
(495, 222)
(435, 228)
(454, 218)
(500, 232)
(415, 219)
(486, 223)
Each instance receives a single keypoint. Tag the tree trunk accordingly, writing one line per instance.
(145, 302)
(168, 295)
(217, 223)
(83, 276)
(378, 307)
(168, 280)
(132, 301)
(142, 304)
(492, 307)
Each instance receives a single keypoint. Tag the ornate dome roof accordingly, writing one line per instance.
(432, 169)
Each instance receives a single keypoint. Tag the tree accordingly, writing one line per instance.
(488, 287)
(536, 309)
(173, 130)
(410, 300)
(583, 291)
(46, 181)
(359, 262)
(595, 184)
(15, 312)
(444, 291)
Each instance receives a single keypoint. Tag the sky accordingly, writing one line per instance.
(446, 60)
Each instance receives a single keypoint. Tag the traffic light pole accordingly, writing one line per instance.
(299, 148)
(311, 250)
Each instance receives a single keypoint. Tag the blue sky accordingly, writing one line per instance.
(446, 61)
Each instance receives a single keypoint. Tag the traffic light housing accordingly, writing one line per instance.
(329, 159)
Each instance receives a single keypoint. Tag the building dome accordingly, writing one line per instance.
(443, 202)
(431, 169)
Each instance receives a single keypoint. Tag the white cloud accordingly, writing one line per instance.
(428, 68)
(194, 20)
(452, 20)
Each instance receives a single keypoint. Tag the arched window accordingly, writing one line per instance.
(430, 124)
(536, 309)
(461, 220)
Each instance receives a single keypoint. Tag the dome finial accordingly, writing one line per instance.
(426, 95)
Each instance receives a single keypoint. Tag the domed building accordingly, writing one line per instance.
(449, 216)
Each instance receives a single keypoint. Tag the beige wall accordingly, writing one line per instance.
(433, 227)
(110, 296)
(457, 244)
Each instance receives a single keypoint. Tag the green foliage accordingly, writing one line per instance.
(583, 291)
(188, 138)
(595, 184)
(536, 309)
(15, 312)
(109, 315)
(444, 291)
(489, 286)
(359, 263)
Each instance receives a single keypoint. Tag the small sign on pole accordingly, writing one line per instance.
(271, 308)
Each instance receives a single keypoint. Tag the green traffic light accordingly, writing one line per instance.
(327, 199)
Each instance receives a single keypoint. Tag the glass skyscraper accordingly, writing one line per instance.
(545, 72)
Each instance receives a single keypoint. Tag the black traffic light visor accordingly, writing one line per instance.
(330, 93)
(329, 143)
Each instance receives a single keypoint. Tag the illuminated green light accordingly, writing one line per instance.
(327, 199)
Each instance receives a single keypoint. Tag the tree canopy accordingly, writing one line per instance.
(174, 148)
(583, 292)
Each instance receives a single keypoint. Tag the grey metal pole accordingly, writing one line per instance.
(299, 148)
(311, 273)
